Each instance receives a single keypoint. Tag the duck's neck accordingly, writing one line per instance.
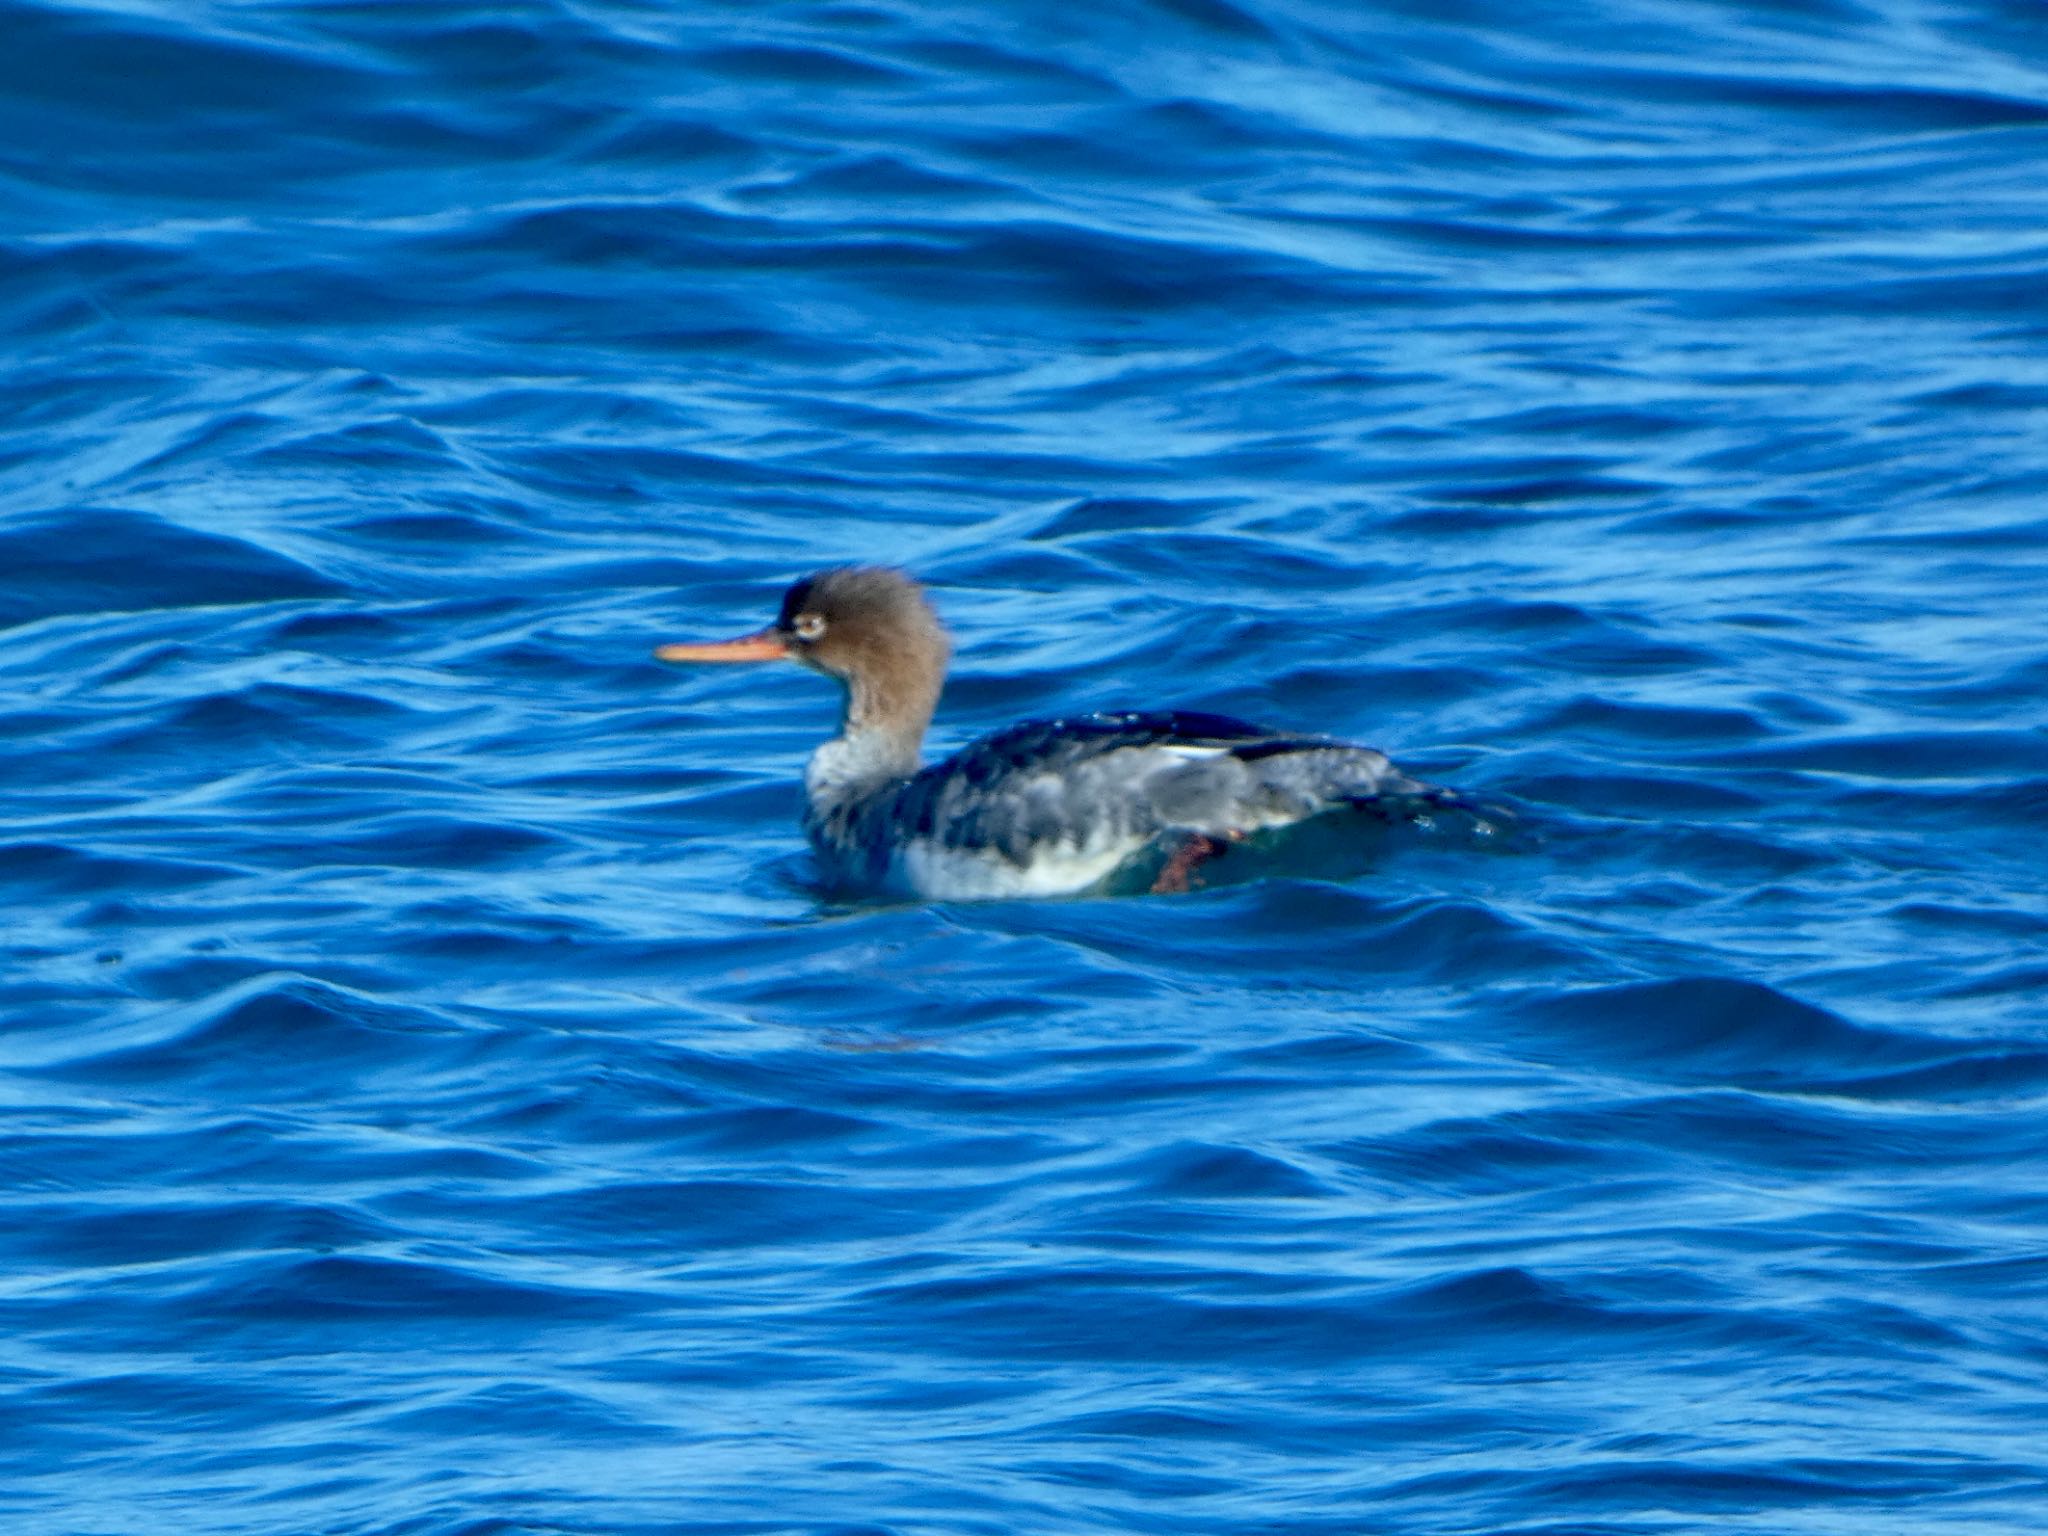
(880, 742)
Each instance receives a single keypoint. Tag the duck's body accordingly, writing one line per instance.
(1054, 807)
(1046, 808)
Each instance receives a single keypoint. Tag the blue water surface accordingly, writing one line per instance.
(438, 1098)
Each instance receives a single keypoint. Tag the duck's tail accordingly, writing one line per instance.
(1432, 807)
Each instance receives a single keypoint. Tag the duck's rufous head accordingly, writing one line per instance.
(869, 626)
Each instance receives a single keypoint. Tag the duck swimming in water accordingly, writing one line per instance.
(1045, 808)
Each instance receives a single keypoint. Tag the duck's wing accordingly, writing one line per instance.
(1109, 780)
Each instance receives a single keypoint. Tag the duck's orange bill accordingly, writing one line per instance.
(767, 645)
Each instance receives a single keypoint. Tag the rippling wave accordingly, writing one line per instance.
(439, 1098)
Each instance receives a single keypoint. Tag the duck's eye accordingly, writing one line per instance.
(807, 626)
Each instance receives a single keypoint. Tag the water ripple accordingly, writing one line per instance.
(439, 1099)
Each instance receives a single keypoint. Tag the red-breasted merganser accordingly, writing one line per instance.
(1046, 808)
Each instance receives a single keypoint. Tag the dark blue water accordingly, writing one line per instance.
(438, 1100)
